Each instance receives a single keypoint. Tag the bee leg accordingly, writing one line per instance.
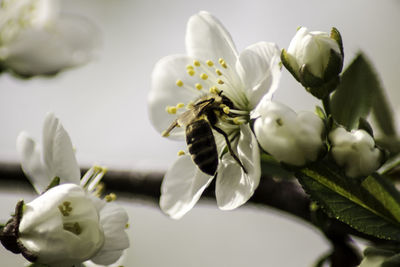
(170, 128)
(228, 143)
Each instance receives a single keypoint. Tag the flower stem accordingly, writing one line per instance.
(326, 102)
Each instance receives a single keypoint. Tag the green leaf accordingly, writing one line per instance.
(353, 97)
(272, 168)
(53, 183)
(359, 93)
(370, 205)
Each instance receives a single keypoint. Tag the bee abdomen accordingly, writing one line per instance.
(201, 145)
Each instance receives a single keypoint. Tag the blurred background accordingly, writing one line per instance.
(103, 107)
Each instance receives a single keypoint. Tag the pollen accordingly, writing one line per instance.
(210, 63)
(179, 83)
(181, 153)
(110, 197)
(226, 110)
(191, 72)
(198, 86)
(170, 110)
(196, 63)
(222, 63)
(204, 76)
(218, 72)
(65, 208)
(219, 81)
(180, 105)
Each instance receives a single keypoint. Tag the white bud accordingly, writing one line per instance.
(291, 138)
(61, 227)
(355, 151)
(312, 49)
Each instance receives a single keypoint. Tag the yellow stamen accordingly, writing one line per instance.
(218, 72)
(191, 72)
(127, 226)
(220, 81)
(180, 105)
(214, 90)
(198, 86)
(226, 110)
(189, 67)
(222, 63)
(110, 197)
(179, 83)
(181, 153)
(196, 63)
(204, 76)
(210, 63)
(237, 121)
(170, 110)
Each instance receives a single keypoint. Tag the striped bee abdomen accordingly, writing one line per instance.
(202, 147)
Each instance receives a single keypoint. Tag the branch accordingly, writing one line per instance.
(283, 195)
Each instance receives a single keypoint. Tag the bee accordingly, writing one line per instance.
(199, 121)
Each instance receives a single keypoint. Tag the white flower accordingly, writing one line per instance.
(35, 39)
(291, 138)
(313, 50)
(57, 159)
(61, 227)
(212, 64)
(355, 151)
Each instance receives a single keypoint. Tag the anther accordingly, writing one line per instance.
(214, 90)
(220, 81)
(181, 153)
(226, 109)
(196, 63)
(222, 63)
(204, 76)
(218, 72)
(189, 67)
(198, 86)
(110, 197)
(170, 110)
(180, 105)
(179, 83)
(191, 72)
(164, 134)
(237, 121)
(210, 63)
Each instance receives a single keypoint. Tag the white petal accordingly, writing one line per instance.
(31, 162)
(182, 187)
(69, 42)
(233, 186)
(207, 38)
(165, 92)
(58, 152)
(259, 69)
(113, 219)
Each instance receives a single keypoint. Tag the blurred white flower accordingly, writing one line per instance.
(355, 151)
(58, 160)
(291, 138)
(36, 39)
(313, 50)
(213, 66)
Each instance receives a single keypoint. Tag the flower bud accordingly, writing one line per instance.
(291, 138)
(355, 151)
(60, 227)
(315, 59)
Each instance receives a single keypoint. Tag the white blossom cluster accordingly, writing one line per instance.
(192, 87)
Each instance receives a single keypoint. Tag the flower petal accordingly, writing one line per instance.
(259, 69)
(58, 152)
(165, 91)
(113, 219)
(31, 162)
(207, 39)
(233, 186)
(182, 187)
(70, 41)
